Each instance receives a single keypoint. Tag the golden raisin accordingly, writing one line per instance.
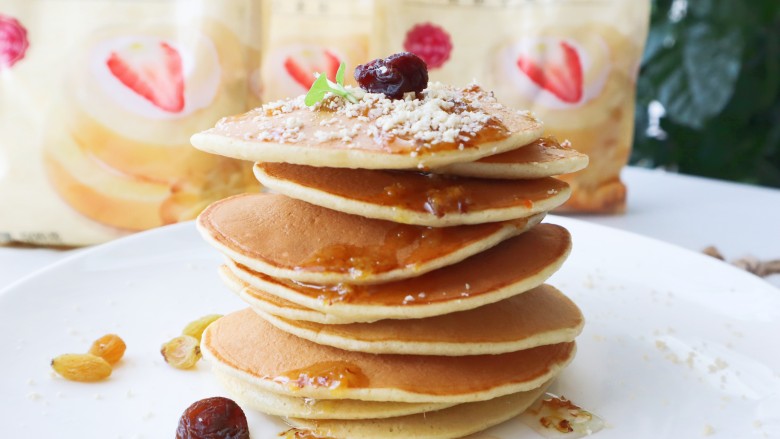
(196, 327)
(81, 367)
(109, 347)
(181, 352)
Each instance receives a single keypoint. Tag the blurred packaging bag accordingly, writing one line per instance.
(304, 37)
(98, 100)
(573, 62)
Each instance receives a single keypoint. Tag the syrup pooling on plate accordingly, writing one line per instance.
(331, 374)
(555, 416)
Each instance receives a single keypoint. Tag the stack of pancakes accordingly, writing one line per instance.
(396, 277)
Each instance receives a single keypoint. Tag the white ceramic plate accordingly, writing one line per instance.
(677, 345)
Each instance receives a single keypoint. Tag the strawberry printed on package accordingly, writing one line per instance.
(572, 62)
(98, 102)
(152, 71)
(302, 38)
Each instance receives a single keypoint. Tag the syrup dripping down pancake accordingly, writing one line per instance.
(291, 239)
(245, 346)
(412, 197)
(510, 268)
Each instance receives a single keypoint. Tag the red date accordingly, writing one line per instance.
(213, 418)
(395, 75)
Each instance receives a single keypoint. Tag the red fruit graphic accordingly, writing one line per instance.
(429, 42)
(557, 71)
(304, 65)
(13, 41)
(153, 72)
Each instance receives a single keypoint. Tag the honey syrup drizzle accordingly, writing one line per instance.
(468, 100)
(562, 405)
(558, 414)
(333, 375)
(402, 246)
(442, 195)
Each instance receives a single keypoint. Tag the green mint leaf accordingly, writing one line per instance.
(318, 90)
(340, 74)
(322, 86)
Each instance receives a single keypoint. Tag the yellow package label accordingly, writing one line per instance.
(98, 101)
(302, 38)
(572, 62)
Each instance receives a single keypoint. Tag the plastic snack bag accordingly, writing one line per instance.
(97, 104)
(301, 38)
(573, 62)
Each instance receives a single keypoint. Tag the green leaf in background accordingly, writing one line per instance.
(695, 77)
(713, 67)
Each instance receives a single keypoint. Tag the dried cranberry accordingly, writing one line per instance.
(395, 75)
(213, 418)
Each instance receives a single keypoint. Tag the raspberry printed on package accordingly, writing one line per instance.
(429, 42)
(573, 63)
(98, 101)
(13, 41)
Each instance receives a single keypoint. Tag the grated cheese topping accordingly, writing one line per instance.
(441, 114)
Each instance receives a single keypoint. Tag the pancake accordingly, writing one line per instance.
(244, 345)
(291, 239)
(510, 268)
(544, 157)
(447, 125)
(538, 317)
(269, 303)
(257, 398)
(413, 197)
(454, 422)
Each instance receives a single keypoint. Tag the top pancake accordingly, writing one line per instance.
(544, 157)
(446, 125)
(291, 239)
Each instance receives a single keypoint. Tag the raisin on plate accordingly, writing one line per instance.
(213, 418)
